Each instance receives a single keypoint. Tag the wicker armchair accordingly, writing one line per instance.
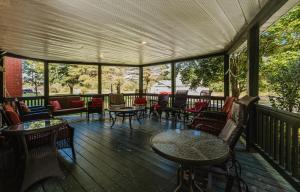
(116, 100)
(39, 152)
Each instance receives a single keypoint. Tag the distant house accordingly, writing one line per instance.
(165, 86)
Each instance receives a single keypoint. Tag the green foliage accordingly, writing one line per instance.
(207, 72)
(154, 74)
(33, 74)
(286, 83)
(279, 50)
(73, 75)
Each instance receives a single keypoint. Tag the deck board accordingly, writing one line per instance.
(120, 159)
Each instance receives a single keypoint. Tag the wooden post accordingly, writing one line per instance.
(99, 79)
(46, 82)
(226, 75)
(1, 77)
(140, 81)
(253, 81)
(173, 80)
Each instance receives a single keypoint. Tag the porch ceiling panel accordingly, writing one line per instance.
(122, 31)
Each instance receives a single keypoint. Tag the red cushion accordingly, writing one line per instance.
(8, 107)
(13, 117)
(77, 103)
(56, 105)
(97, 102)
(156, 106)
(140, 101)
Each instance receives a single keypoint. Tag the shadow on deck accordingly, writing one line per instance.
(118, 159)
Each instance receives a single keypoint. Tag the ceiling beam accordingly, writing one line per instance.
(265, 13)
(187, 58)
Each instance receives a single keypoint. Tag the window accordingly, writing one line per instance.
(73, 79)
(200, 74)
(23, 77)
(126, 79)
(157, 78)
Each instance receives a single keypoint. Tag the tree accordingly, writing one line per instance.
(33, 74)
(286, 83)
(238, 72)
(72, 75)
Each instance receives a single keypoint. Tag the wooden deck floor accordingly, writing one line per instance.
(118, 159)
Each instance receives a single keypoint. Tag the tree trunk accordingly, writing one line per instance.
(71, 89)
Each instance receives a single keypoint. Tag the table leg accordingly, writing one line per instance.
(138, 117)
(179, 179)
(130, 117)
(112, 118)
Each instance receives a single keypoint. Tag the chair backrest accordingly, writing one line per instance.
(238, 121)
(206, 95)
(228, 105)
(180, 99)
(163, 100)
(234, 126)
(116, 99)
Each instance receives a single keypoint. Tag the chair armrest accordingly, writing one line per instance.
(214, 115)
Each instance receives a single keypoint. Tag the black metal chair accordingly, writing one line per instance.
(159, 105)
(179, 104)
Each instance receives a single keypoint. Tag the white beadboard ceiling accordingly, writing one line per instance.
(122, 31)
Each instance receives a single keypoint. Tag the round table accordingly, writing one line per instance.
(190, 148)
(35, 145)
(125, 112)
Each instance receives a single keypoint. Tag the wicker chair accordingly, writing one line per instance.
(65, 133)
(116, 100)
(39, 152)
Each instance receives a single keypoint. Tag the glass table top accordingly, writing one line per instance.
(34, 125)
(190, 146)
(126, 109)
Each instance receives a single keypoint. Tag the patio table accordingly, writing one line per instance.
(190, 149)
(125, 112)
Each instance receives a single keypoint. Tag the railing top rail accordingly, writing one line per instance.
(285, 114)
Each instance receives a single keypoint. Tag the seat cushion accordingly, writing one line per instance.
(140, 101)
(76, 103)
(228, 132)
(96, 102)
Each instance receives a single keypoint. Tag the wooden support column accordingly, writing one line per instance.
(253, 60)
(173, 80)
(1, 77)
(253, 80)
(99, 79)
(46, 82)
(226, 75)
(141, 81)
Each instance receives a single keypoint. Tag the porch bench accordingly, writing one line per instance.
(67, 104)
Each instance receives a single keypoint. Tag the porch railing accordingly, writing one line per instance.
(216, 101)
(276, 136)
